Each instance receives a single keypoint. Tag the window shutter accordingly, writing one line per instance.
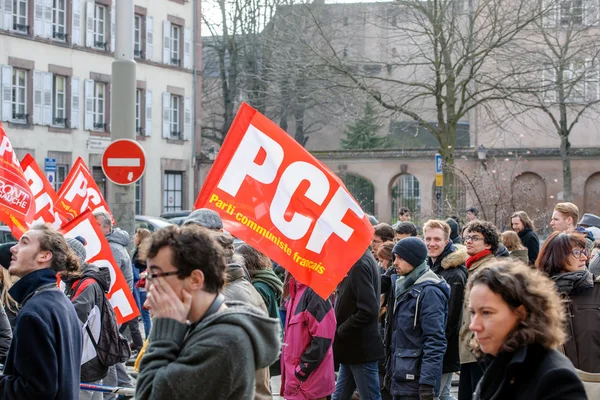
(47, 98)
(113, 10)
(148, 123)
(38, 97)
(6, 93)
(89, 24)
(38, 18)
(48, 19)
(89, 105)
(8, 15)
(187, 48)
(166, 42)
(149, 38)
(187, 118)
(166, 103)
(76, 23)
(75, 104)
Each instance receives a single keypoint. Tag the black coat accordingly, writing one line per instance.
(530, 240)
(450, 265)
(530, 373)
(357, 338)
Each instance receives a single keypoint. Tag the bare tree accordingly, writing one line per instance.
(426, 61)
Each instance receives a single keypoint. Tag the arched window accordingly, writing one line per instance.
(406, 192)
(592, 194)
(529, 195)
(362, 190)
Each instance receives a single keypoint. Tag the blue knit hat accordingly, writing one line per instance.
(412, 250)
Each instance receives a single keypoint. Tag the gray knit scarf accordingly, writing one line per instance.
(570, 282)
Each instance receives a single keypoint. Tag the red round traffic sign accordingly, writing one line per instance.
(124, 161)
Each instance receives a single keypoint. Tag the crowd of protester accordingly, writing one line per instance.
(422, 306)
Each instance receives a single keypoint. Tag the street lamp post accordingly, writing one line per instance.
(123, 86)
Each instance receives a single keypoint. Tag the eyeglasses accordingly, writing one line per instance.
(578, 253)
(472, 239)
(151, 277)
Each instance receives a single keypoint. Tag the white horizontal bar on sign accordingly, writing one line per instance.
(123, 162)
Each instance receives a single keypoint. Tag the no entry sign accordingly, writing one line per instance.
(124, 161)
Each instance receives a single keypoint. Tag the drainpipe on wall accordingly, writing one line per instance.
(195, 164)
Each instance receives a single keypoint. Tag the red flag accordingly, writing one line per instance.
(99, 253)
(43, 193)
(80, 192)
(275, 196)
(16, 199)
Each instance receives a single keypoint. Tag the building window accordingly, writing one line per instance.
(571, 12)
(138, 111)
(59, 114)
(59, 26)
(19, 96)
(175, 45)
(99, 109)
(138, 197)
(62, 170)
(100, 15)
(20, 16)
(173, 192)
(175, 117)
(137, 37)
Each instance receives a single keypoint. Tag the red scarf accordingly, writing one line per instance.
(477, 257)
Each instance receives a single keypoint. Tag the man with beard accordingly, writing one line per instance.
(524, 227)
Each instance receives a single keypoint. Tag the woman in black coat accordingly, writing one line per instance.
(518, 322)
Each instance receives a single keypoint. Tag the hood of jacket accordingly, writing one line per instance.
(455, 258)
(502, 251)
(100, 274)
(268, 277)
(263, 332)
(118, 236)
(237, 271)
(431, 278)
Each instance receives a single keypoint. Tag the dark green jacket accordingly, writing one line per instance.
(270, 288)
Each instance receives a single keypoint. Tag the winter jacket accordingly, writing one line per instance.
(595, 265)
(44, 358)
(307, 370)
(5, 335)
(450, 265)
(239, 288)
(531, 241)
(270, 288)
(419, 338)
(530, 373)
(520, 255)
(357, 338)
(118, 240)
(502, 251)
(215, 359)
(583, 328)
(466, 356)
(95, 282)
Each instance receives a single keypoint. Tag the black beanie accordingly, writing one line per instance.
(5, 254)
(412, 250)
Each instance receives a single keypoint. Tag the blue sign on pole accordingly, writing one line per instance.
(49, 164)
(438, 164)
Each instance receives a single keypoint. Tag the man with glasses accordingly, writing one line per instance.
(482, 240)
(200, 346)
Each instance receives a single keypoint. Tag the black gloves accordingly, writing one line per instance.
(426, 392)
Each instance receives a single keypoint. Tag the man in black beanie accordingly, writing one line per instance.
(419, 323)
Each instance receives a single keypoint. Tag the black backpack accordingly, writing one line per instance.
(112, 348)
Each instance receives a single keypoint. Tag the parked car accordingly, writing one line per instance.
(151, 223)
(5, 235)
(175, 214)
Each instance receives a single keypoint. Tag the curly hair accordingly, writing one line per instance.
(385, 232)
(254, 260)
(519, 285)
(554, 254)
(193, 247)
(491, 236)
(64, 259)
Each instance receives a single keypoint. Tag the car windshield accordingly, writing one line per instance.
(159, 222)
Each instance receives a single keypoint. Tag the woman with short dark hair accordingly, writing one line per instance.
(518, 320)
(563, 257)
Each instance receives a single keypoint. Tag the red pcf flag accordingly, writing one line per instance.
(99, 253)
(275, 196)
(43, 193)
(80, 192)
(16, 200)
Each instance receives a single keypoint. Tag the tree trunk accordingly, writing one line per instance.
(565, 156)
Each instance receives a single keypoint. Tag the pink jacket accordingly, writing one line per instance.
(307, 370)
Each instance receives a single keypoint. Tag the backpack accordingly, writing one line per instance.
(112, 348)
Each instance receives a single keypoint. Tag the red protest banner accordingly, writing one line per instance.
(16, 200)
(275, 196)
(79, 192)
(43, 193)
(99, 253)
